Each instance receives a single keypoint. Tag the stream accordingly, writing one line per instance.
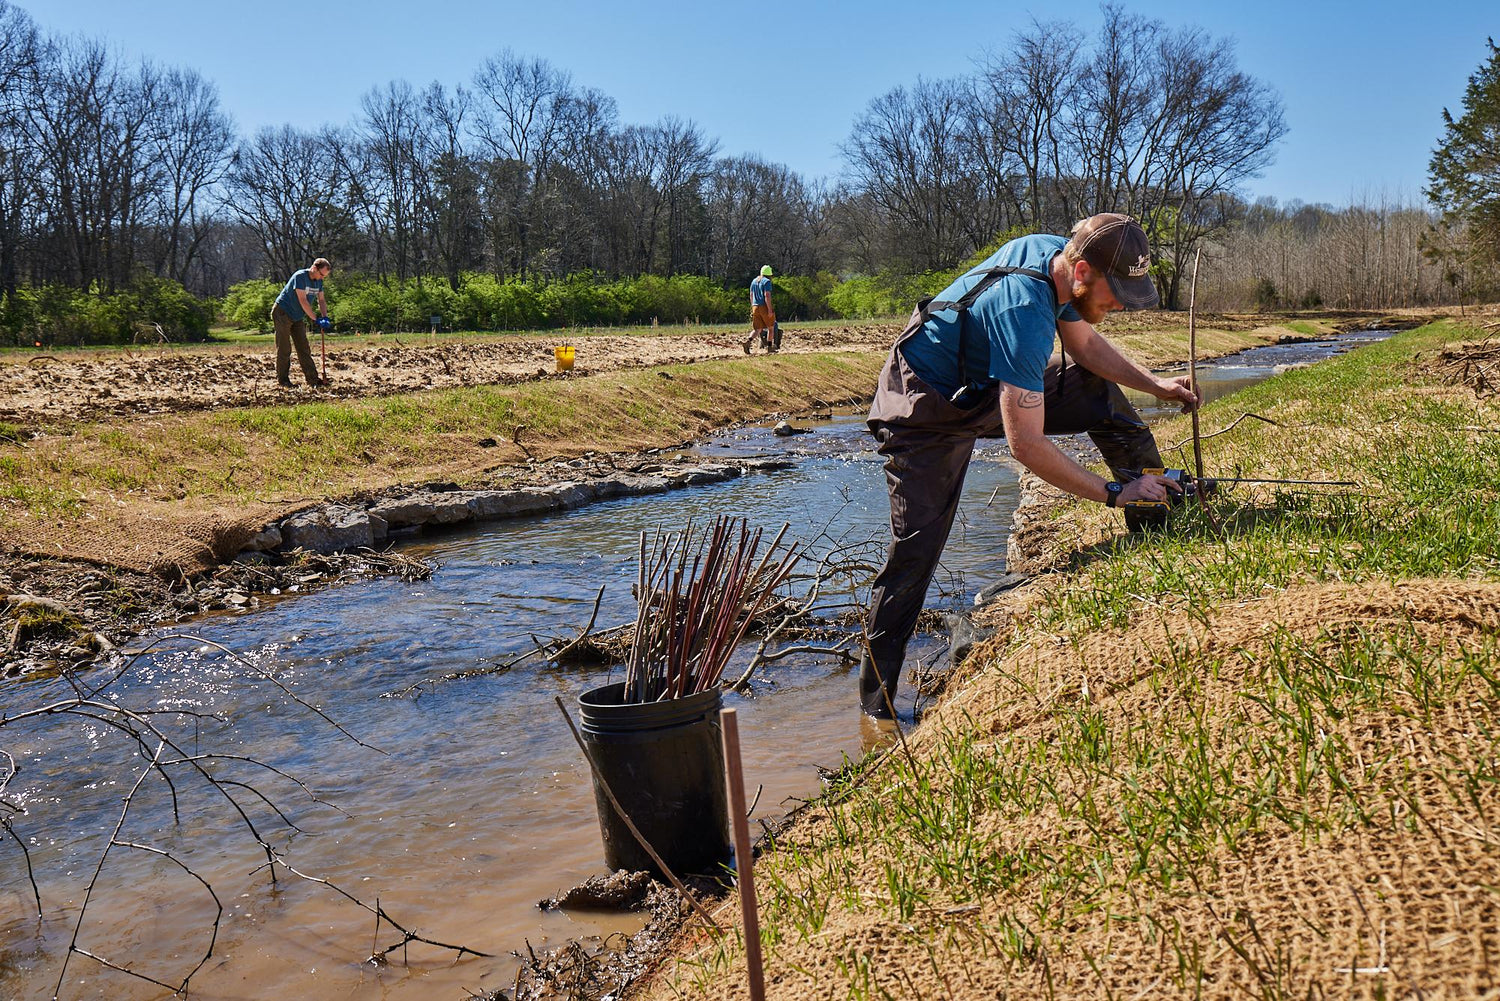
(472, 801)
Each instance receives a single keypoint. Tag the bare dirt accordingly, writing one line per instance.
(55, 388)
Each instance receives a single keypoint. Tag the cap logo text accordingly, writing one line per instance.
(1140, 267)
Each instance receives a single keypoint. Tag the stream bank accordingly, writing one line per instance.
(167, 557)
(1246, 757)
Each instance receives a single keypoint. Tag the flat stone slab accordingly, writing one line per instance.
(341, 526)
(328, 529)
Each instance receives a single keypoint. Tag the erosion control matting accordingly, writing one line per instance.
(1295, 797)
(164, 543)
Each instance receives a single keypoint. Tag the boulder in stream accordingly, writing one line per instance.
(328, 530)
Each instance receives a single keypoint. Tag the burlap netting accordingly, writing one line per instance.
(168, 545)
(1401, 903)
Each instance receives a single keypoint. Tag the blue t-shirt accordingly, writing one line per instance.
(1011, 326)
(759, 289)
(301, 281)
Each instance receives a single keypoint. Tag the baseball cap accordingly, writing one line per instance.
(1115, 245)
(766, 270)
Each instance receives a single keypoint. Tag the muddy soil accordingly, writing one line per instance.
(55, 388)
(61, 614)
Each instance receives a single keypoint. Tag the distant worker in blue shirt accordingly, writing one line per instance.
(977, 361)
(762, 313)
(301, 302)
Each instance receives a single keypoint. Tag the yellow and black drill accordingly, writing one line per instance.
(1143, 514)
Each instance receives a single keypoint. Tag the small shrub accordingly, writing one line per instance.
(247, 305)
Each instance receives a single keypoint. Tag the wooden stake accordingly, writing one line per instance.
(743, 855)
(1213, 519)
(1193, 366)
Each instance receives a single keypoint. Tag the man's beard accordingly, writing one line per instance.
(1090, 311)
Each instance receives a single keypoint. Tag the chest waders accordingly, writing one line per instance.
(926, 438)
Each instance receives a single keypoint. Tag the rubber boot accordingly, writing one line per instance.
(765, 344)
(876, 699)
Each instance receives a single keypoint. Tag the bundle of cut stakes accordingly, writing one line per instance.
(697, 593)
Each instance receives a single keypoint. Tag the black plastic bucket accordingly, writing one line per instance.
(664, 761)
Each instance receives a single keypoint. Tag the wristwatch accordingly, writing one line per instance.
(1112, 493)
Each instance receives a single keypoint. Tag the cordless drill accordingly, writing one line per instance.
(1143, 514)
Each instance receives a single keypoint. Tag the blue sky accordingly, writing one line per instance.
(1363, 84)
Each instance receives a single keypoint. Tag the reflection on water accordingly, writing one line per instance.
(476, 803)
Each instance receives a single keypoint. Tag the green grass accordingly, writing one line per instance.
(1428, 503)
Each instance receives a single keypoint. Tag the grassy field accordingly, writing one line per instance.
(1252, 758)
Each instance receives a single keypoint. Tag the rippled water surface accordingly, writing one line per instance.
(471, 802)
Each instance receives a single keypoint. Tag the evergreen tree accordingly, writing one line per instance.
(1465, 172)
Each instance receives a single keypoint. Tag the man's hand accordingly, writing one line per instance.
(1149, 487)
(324, 323)
(1179, 389)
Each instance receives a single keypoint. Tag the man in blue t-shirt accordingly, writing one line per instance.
(300, 303)
(953, 377)
(762, 312)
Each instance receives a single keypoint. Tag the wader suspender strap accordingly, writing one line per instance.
(962, 304)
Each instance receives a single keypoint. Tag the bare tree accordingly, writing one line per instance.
(576, 213)
(905, 153)
(92, 132)
(392, 175)
(525, 110)
(289, 187)
(449, 199)
(1023, 104)
(1363, 256)
(194, 141)
(21, 50)
(1157, 123)
(686, 155)
(759, 212)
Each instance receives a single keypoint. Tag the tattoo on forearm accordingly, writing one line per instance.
(1030, 400)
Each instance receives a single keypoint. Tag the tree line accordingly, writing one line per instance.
(118, 177)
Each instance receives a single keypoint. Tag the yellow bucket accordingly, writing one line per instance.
(564, 355)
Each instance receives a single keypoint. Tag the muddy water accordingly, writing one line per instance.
(473, 801)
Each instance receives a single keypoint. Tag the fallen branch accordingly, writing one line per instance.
(1231, 426)
(586, 629)
(381, 914)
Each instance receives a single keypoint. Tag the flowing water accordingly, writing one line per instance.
(471, 802)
